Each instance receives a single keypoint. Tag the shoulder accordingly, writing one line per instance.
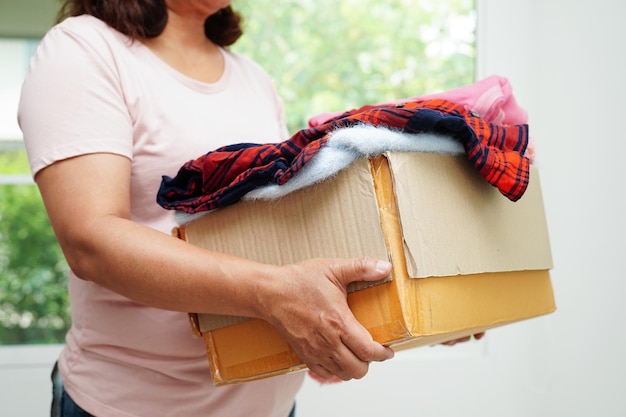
(243, 60)
(80, 49)
(87, 27)
(83, 35)
(247, 66)
(255, 80)
(74, 70)
(247, 72)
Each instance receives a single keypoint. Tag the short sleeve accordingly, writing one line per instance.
(72, 101)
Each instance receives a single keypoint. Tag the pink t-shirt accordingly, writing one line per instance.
(90, 89)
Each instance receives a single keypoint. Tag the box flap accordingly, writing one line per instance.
(455, 223)
(318, 221)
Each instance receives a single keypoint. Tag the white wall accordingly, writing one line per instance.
(566, 61)
(25, 387)
(570, 75)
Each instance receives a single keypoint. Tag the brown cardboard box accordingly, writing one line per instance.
(465, 258)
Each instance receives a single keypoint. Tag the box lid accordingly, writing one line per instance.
(455, 223)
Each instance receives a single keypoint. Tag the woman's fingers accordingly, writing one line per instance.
(320, 326)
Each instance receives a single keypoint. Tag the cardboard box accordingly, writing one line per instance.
(465, 258)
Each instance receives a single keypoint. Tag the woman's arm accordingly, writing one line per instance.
(88, 202)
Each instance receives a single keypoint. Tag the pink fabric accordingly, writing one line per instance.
(491, 98)
(90, 90)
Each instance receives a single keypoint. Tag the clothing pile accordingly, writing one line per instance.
(481, 120)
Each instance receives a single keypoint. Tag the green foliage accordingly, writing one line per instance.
(33, 273)
(13, 162)
(323, 55)
(330, 56)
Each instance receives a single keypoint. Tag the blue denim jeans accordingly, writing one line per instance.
(70, 409)
(64, 406)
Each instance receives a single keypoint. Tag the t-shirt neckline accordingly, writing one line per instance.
(201, 86)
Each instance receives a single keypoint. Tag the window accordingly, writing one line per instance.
(33, 291)
(330, 56)
(323, 55)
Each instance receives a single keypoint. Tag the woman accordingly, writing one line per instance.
(116, 96)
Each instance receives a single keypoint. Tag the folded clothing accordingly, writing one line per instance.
(224, 176)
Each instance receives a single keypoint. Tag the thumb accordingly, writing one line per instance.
(362, 269)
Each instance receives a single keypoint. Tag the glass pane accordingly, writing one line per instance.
(13, 160)
(34, 306)
(14, 54)
(33, 273)
(330, 56)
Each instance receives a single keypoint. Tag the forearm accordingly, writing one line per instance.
(156, 269)
(90, 214)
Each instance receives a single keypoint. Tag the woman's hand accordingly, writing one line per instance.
(312, 313)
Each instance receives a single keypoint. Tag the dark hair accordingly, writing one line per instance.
(147, 18)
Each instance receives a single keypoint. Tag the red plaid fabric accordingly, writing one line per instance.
(223, 176)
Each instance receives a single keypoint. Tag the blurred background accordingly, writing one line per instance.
(565, 61)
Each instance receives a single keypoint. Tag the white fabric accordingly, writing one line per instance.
(345, 145)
